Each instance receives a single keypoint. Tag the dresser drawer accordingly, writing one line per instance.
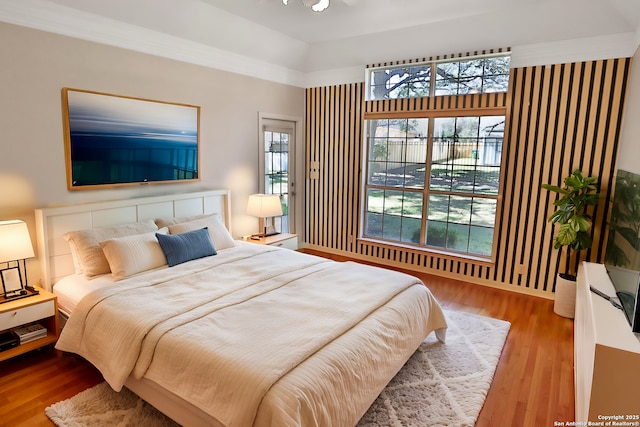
(23, 315)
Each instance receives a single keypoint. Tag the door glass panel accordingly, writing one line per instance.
(276, 171)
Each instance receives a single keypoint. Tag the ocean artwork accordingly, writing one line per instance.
(114, 140)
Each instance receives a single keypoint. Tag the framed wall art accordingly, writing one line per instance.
(113, 140)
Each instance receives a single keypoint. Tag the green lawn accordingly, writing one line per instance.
(460, 223)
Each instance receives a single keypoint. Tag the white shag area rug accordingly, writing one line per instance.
(440, 385)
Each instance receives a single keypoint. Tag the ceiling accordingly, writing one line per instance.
(292, 41)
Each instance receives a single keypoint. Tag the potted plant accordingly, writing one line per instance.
(574, 221)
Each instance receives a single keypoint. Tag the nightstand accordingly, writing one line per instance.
(42, 309)
(283, 240)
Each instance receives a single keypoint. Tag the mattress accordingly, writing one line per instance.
(71, 289)
(255, 335)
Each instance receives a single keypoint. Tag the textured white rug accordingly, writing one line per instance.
(441, 385)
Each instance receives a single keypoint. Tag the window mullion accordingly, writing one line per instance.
(432, 82)
(427, 183)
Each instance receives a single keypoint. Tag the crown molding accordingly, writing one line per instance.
(51, 17)
(621, 45)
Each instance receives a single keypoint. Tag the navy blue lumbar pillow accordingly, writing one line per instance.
(179, 248)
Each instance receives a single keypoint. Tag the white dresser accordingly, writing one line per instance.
(607, 353)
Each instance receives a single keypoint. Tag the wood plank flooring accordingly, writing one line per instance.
(533, 385)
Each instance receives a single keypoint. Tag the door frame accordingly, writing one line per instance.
(296, 191)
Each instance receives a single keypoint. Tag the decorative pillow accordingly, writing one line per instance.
(219, 234)
(134, 254)
(85, 245)
(166, 222)
(77, 265)
(179, 248)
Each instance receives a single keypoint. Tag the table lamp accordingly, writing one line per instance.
(265, 207)
(15, 245)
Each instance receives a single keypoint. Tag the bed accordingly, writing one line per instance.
(249, 335)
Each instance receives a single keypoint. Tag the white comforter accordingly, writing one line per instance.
(222, 332)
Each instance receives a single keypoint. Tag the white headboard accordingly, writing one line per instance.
(52, 223)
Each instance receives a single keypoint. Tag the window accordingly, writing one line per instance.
(394, 83)
(477, 75)
(481, 75)
(433, 177)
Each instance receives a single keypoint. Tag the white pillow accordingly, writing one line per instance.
(134, 254)
(87, 255)
(219, 234)
(75, 255)
(173, 220)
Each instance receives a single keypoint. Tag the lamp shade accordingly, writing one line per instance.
(264, 205)
(15, 242)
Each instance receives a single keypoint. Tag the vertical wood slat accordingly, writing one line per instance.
(549, 128)
(355, 114)
(560, 117)
(327, 170)
(340, 169)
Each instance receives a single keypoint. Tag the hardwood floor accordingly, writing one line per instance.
(33, 381)
(533, 385)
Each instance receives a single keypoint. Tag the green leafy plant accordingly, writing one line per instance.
(571, 214)
(623, 244)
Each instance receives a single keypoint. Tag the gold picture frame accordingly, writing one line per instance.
(113, 140)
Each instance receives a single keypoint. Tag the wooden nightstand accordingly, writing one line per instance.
(283, 240)
(42, 309)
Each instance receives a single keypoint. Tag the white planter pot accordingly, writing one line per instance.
(565, 302)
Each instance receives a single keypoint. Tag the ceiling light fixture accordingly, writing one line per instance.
(315, 5)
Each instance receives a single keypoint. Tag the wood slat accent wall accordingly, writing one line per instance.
(334, 144)
(560, 117)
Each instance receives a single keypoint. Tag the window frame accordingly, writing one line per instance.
(433, 64)
(426, 191)
(294, 126)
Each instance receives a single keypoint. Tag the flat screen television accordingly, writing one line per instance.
(626, 283)
(622, 258)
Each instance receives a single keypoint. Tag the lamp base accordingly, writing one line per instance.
(24, 294)
(267, 233)
(270, 230)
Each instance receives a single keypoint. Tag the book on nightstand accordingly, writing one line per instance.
(30, 333)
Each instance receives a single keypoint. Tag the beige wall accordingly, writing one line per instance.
(37, 65)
